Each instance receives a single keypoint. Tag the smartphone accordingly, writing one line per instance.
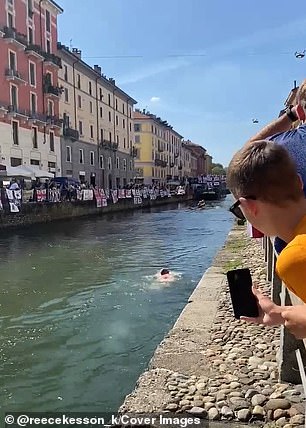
(243, 300)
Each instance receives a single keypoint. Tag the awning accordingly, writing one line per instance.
(16, 171)
(38, 173)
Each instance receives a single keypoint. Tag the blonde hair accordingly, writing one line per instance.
(264, 170)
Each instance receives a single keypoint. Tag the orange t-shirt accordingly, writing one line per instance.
(291, 263)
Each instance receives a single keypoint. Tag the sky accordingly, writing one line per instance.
(207, 67)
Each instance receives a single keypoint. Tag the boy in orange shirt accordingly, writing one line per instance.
(269, 191)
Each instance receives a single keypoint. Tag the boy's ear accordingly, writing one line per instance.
(249, 204)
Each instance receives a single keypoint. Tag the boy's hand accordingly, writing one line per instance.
(269, 313)
(295, 320)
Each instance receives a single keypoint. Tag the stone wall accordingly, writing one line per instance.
(47, 212)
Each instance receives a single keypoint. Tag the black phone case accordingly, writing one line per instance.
(243, 300)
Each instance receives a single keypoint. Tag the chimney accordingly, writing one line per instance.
(113, 81)
(98, 69)
(294, 85)
(77, 52)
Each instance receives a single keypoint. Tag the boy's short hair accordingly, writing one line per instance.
(264, 170)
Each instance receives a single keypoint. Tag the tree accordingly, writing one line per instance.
(217, 169)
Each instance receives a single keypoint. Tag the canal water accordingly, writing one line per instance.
(80, 311)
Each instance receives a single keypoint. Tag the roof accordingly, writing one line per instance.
(149, 116)
(64, 50)
(57, 6)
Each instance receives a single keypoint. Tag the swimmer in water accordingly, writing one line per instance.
(165, 276)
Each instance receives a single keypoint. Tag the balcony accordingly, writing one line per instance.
(53, 91)
(160, 149)
(134, 152)
(34, 51)
(105, 144)
(37, 118)
(172, 165)
(176, 154)
(159, 162)
(18, 39)
(14, 111)
(14, 76)
(54, 121)
(52, 60)
(71, 133)
(180, 166)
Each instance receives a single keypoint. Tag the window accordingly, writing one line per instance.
(123, 123)
(116, 104)
(124, 142)
(33, 104)
(30, 8)
(92, 158)
(15, 133)
(81, 156)
(35, 138)
(66, 120)
(101, 135)
(30, 36)
(48, 21)
(109, 116)
(80, 127)
(118, 140)
(48, 46)
(51, 140)
(51, 165)
(131, 165)
(66, 95)
(130, 127)
(110, 136)
(90, 106)
(32, 74)
(34, 162)
(91, 131)
(117, 120)
(50, 108)
(101, 162)
(109, 163)
(10, 20)
(124, 164)
(101, 95)
(66, 73)
(137, 127)
(68, 153)
(137, 138)
(16, 161)
(130, 112)
(79, 101)
(109, 99)
(101, 112)
(89, 88)
(14, 100)
(12, 59)
(79, 81)
(123, 110)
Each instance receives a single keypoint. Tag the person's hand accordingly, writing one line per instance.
(269, 312)
(295, 320)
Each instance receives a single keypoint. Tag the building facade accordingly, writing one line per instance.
(203, 159)
(29, 98)
(159, 152)
(98, 129)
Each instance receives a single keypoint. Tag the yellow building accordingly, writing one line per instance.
(159, 151)
(98, 130)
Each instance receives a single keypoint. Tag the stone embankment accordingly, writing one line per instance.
(213, 366)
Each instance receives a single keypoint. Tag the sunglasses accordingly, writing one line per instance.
(236, 210)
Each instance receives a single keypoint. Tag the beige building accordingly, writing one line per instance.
(159, 151)
(98, 129)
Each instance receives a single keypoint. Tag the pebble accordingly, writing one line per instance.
(213, 414)
(197, 411)
(243, 415)
(258, 399)
(277, 403)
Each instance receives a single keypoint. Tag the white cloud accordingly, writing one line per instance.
(154, 99)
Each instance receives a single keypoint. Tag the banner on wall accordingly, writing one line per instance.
(137, 200)
(121, 194)
(41, 195)
(115, 196)
(98, 198)
(128, 193)
(14, 200)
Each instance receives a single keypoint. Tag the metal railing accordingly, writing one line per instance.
(292, 355)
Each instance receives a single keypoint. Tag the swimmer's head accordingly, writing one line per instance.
(164, 272)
